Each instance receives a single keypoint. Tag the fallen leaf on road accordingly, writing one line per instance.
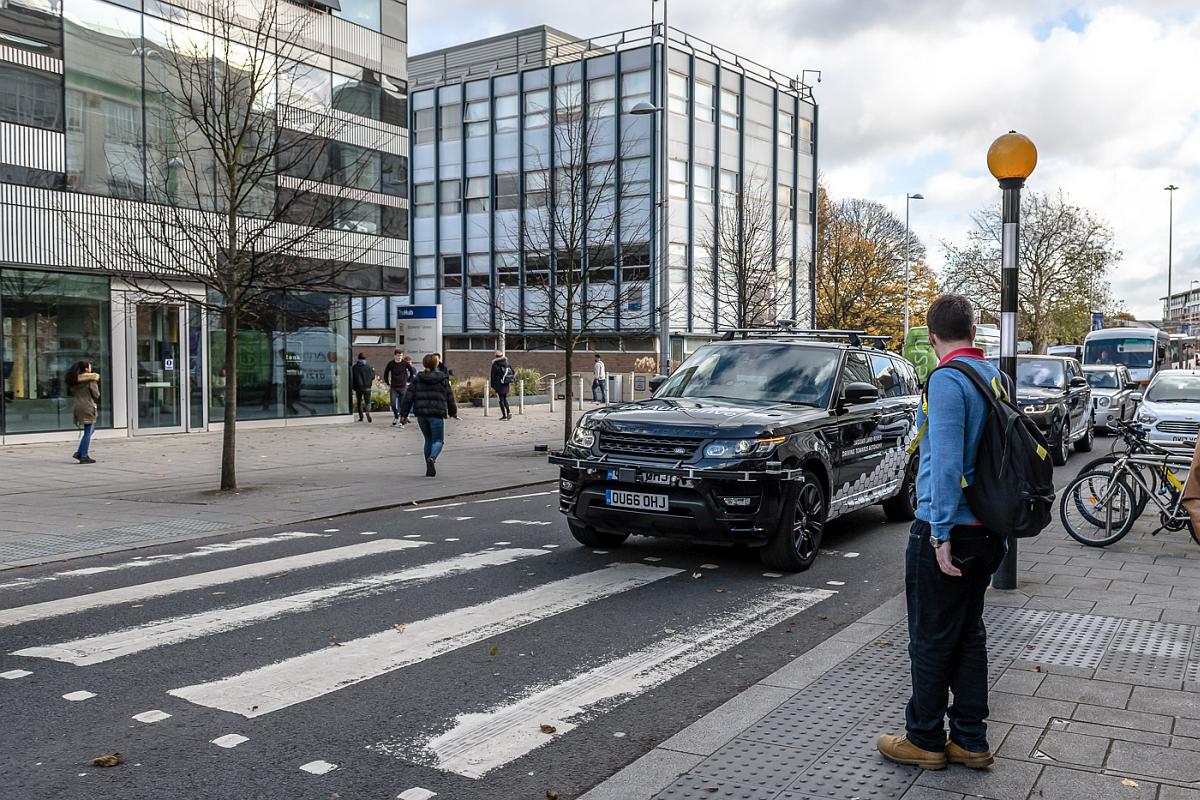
(669, 630)
(495, 650)
(333, 641)
(108, 761)
(884, 643)
(551, 794)
(399, 628)
(547, 729)
(1129, 783)
(720, 590)
(738, 656)
(697, 574)
(1037, 668)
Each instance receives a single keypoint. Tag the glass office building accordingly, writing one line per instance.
(83, 132)
(488, 120)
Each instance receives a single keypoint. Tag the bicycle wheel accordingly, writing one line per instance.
(1150, 476)
(1097, 509)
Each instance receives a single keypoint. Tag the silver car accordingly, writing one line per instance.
(1112, 394)
(1170, 408)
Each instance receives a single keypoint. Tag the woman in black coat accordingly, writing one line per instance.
(431, 399)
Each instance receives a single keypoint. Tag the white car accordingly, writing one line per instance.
(1112, 394)
(1170, 408)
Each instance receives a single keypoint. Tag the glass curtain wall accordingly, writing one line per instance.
(50, 321)
(293, 358)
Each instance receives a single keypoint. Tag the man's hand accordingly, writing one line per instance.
(944, 562)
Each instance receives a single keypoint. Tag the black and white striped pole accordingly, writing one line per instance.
(1011, 159)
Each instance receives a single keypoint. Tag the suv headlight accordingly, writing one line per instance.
(1036, 408)
(1102, 402)
(583, 436)
(741, 448)
(1147, 418)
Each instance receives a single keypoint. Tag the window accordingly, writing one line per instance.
(602, 97)
(452, 277)
(451, 122)
(508, 269)
(50, 320)
(784, 197)
(356, 167)
(635, 177)
(804, 130)
(360, 12)
(568, 187)
(394, 221)
(394, 175)
(357, 216)
(423, 272)
(889, 376)
(729, 183)
(424, 198)
(601, 184)
(476, 118)
(451, 199)
(537, 270)
(506, 114)
(702, 183)
(677, 100)
(360, 96)
(730, 109)
(423, 126)
(537, 108)
(602, 260)
(677, 263)
(477, 195)
(678, 173)
(635, 88)
(507, 194)
(856, 370)
(804, 203)
(305, 86)
(537, 190)
(568, 102)
(33, 25)
(787, 128)
(703, 108)
(478, 271)
(635, 261)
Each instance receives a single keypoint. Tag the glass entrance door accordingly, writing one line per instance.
(158, 362)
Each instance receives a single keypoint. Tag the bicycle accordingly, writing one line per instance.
(1099, 507)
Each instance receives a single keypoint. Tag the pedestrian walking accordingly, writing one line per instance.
(83, 383)
(362, 375)
(501, 379)
(410, 375)
(443, 366)
(397, 376)
(950, 558)
(431, 401)
(599, 381)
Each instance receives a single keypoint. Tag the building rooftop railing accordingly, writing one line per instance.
(576, 50)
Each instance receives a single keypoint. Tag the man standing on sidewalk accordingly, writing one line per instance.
(950, 558)
(397, 375)
(362, 375)
(600, 381)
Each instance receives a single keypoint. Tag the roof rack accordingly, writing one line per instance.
(854, 338)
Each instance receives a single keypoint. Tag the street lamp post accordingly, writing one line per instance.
(907, 198)
(1011, 159)
(1170, 190)
(662, 234)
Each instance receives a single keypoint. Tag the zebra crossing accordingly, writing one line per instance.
(469, 742)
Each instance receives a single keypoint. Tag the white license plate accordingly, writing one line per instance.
(636, 500)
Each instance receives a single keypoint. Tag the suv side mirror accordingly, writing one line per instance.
(1136, 397)
(1077, 381)
(657, 381)
(1131, 384)
(859, 392)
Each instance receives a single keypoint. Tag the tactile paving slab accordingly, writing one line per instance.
(751, 763)
(1072, 640)
(1192, 673)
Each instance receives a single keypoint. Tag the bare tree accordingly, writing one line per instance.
(574, 287)
(860, 268)
(743, 256)
(240, 163)
(1066, 253)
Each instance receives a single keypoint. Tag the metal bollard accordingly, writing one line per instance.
(579, 396)
(553, 392)
(486, 404)
(521, 397)
(629, 389)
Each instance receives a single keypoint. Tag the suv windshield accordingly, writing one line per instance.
(1040, 373)
(773, 373)
(1174, 389)
(1102, 378)
(1136, 352)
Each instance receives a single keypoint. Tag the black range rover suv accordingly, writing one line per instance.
(757, 439)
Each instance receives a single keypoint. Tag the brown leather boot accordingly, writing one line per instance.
(960, 755)
(901, 751)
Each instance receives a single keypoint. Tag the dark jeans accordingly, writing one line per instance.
(397, 398)
(434, 431)
(502, 396)
(598, 387)
(947, 640)
(362, 401)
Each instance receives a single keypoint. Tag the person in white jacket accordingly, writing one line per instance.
(599, 381)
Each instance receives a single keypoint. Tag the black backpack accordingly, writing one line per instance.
(1013, 491)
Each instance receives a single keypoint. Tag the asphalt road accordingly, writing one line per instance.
(421, 648)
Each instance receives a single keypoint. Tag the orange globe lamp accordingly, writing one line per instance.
(1012, 157)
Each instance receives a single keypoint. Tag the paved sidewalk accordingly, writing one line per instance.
(1095, 667)
(156, 489)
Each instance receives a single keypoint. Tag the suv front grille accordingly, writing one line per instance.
(1179, 426)
(669, 448)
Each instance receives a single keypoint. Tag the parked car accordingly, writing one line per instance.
(1113, 391)
(1170, 408)
(758, 439)
(1053, 392)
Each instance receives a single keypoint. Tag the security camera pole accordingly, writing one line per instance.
(1011, 159)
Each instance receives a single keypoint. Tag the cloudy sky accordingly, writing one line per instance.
(914, 91)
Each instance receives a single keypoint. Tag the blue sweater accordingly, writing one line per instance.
(956, 415)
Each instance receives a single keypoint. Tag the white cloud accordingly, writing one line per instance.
(914, 91)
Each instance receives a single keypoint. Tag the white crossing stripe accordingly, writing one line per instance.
(201, 580)
(479, 743)
(107, 646)
(305, 677)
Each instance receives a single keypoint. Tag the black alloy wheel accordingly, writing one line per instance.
(797, 540)
(1060, 445)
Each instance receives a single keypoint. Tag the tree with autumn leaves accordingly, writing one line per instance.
(861, 248)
